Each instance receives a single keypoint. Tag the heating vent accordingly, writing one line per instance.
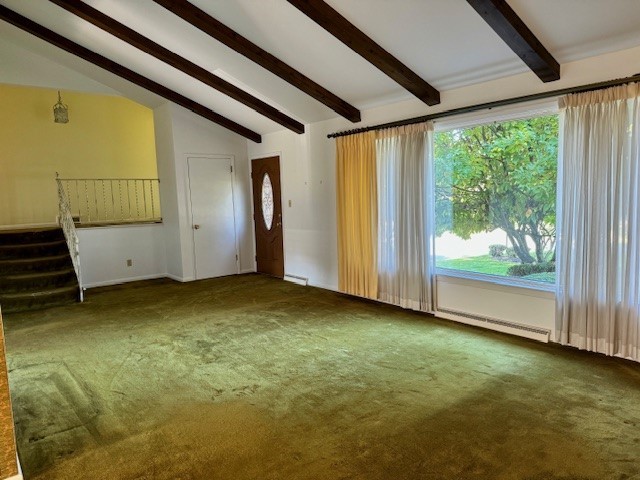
(296, 279)
(526, 330)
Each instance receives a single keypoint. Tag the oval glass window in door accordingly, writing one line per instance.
(267, 201)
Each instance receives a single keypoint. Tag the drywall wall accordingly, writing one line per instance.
(181, 134)
(8, 454)
(308, 179)
(106, 137)
(24, 67)
(104, 252)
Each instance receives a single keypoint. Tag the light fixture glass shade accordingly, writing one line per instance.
(60, 111)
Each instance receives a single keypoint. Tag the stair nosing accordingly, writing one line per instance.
(32, 245)
(23, 276)
(39, 293)
(35, 259)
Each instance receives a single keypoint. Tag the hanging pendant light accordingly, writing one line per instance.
(60, 111)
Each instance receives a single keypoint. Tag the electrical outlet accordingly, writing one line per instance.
(129, 263)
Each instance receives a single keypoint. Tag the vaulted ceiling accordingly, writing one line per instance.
(446, 43)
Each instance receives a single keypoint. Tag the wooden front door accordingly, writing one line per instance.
(267, 215)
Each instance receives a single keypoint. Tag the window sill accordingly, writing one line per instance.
(496, 280)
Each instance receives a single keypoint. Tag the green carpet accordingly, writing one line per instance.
(250, 377)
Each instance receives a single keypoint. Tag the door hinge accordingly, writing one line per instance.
(236, 258)
(256, 257)
(231, 166)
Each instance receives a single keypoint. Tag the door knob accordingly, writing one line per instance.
(196, 227)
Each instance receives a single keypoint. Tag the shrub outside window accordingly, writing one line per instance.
(496, 198)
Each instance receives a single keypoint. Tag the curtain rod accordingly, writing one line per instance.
(489, 105)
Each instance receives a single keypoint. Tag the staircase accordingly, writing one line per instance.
(35, 270)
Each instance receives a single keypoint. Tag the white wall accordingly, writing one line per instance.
(180, 133)
(308, 180)
(104, 252)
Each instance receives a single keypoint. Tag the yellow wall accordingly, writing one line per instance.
(106, 137)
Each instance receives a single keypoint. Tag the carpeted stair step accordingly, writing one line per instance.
(21, 282)
(21, 237)
(17, 302)
(28, 250)
(40, 264)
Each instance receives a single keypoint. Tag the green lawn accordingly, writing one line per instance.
(481, 264)
(489, 265)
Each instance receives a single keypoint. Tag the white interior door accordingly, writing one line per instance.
(212, 216)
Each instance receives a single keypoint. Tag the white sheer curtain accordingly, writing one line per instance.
(405, 196)
(598, 298)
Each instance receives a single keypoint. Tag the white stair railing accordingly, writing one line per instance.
(65, 220)
(105, 201)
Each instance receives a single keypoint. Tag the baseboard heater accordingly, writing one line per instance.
(528, 331)
(296, 279)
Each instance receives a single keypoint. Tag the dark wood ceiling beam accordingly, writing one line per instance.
(212, 27)
(338, 26)
(163, 54)
(67, 45)
(515, 33)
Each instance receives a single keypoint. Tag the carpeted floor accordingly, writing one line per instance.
(250, 377)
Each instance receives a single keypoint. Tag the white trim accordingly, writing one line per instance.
(119, 281)
(494, 282)
(324, 286)
(248, 270)
(119, 225)
(537, 108)
(179, 279)
(24, 226)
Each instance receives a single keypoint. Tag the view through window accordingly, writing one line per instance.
(496, 198)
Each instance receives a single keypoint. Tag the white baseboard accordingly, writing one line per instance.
(118, 281)
(25, 226)
(248, 270)
(179, 279)
(324, 286)
(525, 331)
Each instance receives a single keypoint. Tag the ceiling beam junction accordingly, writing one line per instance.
(338, 26)
(515, 33)
(217, 30)
(67, 45)
(180, 63)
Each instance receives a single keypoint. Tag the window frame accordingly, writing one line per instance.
(548, 106)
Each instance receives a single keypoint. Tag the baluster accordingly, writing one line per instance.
(120, 190)
(144, 198)
(135, 186)
(95, 199)
(153, 205)
(113, 202)
(78, 200)
(86, 196)
(129, 197)
(104, 201)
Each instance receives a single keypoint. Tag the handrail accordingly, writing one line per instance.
(105, 201)
(65, 219)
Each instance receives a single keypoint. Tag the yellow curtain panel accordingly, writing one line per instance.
(357, 214)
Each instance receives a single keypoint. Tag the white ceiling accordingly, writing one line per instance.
(444, 41)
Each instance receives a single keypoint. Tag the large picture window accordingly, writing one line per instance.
(495, 187)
